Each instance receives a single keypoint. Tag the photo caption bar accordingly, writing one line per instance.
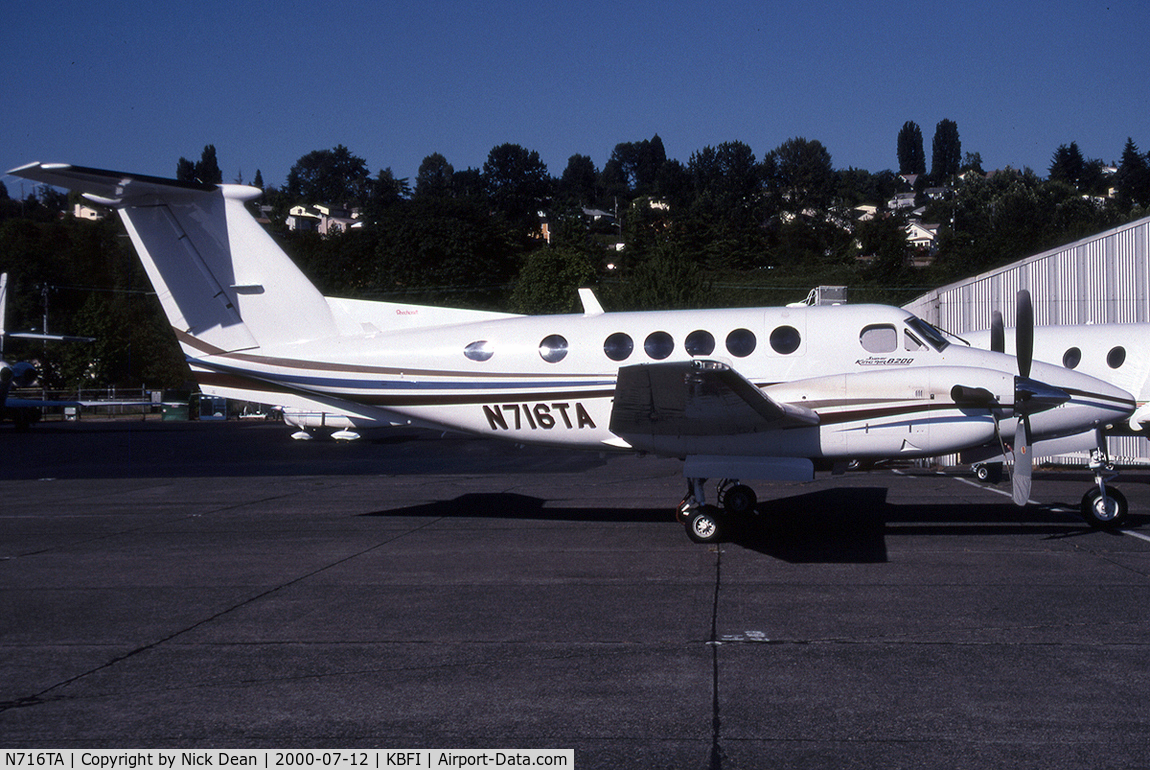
(270, 759)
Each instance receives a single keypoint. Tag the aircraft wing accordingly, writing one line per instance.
(696, 398)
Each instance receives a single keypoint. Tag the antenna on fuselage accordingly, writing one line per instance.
(590, 302)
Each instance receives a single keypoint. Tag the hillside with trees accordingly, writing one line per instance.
(726, 227)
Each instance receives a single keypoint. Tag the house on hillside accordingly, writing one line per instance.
(322, 219)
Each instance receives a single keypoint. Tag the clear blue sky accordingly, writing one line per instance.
(133, 86)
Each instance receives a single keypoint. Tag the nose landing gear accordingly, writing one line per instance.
(1103, 507)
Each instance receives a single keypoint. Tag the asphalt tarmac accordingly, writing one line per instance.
(180, 585)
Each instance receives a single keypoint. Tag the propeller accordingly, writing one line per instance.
(1024, 331)
(1030, 397)
(997, 333)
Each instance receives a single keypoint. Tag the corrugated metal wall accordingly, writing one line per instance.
(1101, 279)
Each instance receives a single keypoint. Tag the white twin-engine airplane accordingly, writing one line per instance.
(762, 393)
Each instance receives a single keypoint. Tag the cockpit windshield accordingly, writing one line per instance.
(927, 332)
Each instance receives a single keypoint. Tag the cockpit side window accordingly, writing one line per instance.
(925, 331)
(911, 342)
(879, 338)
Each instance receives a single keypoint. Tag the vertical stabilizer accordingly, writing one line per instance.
(223, 282)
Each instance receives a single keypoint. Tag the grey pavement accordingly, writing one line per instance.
(178, 585)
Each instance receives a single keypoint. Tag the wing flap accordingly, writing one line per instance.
(696, 398)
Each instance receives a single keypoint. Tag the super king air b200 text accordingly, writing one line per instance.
(759, 393)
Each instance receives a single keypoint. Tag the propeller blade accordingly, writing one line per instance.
(1023, 463)
(1024, 333)
(997, 333)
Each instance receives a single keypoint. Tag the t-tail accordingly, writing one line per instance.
(224, 284)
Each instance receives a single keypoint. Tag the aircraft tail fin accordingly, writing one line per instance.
(223, 282)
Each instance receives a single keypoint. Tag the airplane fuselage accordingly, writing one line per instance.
(879, 379)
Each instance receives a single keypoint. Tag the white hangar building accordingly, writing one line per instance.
(1101, 279)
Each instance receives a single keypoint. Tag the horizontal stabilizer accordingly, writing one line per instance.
(696, 398)
(112, 187)
(224, 284)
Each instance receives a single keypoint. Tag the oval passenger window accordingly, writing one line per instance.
(659, 345)
(741, 343)
(618, 346)
(479, 351)
(553, 348)
(699, 343)
(785, 340)
(1072, 358)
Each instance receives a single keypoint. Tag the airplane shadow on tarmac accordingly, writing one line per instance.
(842, 525)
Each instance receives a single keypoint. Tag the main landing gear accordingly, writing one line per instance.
(1103, 507)
(709, 523)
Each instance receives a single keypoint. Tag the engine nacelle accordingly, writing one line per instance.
(19, 375)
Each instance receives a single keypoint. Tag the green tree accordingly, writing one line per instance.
(208, 169)
(911, 158)
(723, 226)
(667, 279)
(518, 186)
(580, 182)
(550, 280)
(431, 247)
(185, 170)
(883, 241)
(800, 175)
(972, 161)
(946, 151)
(633, 168)
(1133, 177)
(330, 176)
(1068, 165)
(434, 177)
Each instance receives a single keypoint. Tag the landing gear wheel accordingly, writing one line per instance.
(704, 525)
(740, 500)
(988, 472)
(1104, 512)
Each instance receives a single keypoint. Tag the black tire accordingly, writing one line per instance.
(1104, 514)
(991, 473)
(704, 525)
(740, 500)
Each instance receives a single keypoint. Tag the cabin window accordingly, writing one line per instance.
(1116, 357)
(879, 338)
(1072, 358)
(741, 343)
(699, 343)
(785, 340)
(618, 346)
(659, 345)
(479, 351)
(553, 348)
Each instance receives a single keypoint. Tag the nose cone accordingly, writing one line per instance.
(1092, 403)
